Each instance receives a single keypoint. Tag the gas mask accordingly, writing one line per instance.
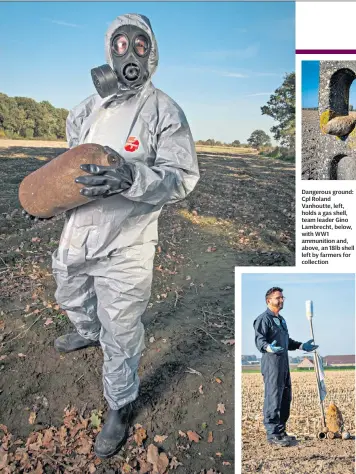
(130, 47)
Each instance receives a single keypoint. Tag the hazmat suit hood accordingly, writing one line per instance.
(142, 22)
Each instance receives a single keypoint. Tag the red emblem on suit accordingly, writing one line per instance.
(132, 144)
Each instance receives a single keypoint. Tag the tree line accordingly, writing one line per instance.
(212, 142)
(281, 107)
(22, 117)
(257, 139)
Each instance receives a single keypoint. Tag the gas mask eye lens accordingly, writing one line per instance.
(120, 45)
(141, 45)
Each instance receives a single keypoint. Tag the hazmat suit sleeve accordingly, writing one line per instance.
(261, 326)
(293, 345)
(76, 117)
(175, 171)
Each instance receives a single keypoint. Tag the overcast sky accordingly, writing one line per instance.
(333, 296)
(219, 60)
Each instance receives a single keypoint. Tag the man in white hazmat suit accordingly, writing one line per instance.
(103, 266)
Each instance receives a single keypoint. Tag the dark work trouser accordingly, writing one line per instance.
(278, 397)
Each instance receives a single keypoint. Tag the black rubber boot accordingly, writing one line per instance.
(114, 433)
(73, 342)
(278, 440)
(284, 435)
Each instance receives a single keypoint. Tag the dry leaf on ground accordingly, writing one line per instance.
(174, 463)
(39, 468)
(2, 325)
(181, 433)
(32, 418)
(201, 390)
(145, 467)
(159, 439)
(140, 435)
(3, 428)
(193, 436)
(62, 435)
(92, 468)
(84, 443)
(37, 444)
(220, 422)
(79, 426)
(226, 463)
(3, 458)
(48, 438)
(210, 437)
(221, 408)
(18, 442)
(218, 380)
(160, 461)
(69, 417)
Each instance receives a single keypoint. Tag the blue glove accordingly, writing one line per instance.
(273, 348)
(308, 346)
(106, 180)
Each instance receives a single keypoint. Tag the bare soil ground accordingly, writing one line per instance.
(241, 213)
(307, 455)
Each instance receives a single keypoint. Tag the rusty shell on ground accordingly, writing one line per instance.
(340, 126)
(51, 189)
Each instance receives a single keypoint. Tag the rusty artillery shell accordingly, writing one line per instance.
(340, 126)
(51, 189)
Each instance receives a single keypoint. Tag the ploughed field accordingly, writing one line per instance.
(51, 405)
(308, 455)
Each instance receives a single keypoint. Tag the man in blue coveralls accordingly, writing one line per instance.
(272, 339)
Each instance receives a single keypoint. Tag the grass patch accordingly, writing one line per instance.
(225, 150)
(287, 159)
(207, 221)
(278, 153)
